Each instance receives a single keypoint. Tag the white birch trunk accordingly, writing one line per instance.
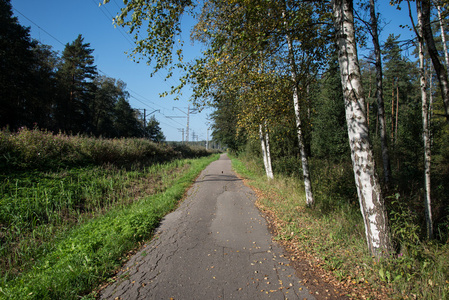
(368, 187)
(443, 39)
(440, 69)
(304, 159)
(267, 146)
(264, 149)
(430, 97)
(425, 123)
(303, 152)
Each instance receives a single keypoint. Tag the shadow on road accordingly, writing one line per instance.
(218, 178)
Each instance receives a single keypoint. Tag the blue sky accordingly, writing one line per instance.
(60, 22)
(57, 22)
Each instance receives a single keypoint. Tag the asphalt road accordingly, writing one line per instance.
(216, 245)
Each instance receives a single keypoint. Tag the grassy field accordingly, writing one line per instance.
(332, 236)
(67, 224)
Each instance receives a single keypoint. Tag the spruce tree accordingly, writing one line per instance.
(44, 86)
(329, 136)
(16, 59)
(153, 131)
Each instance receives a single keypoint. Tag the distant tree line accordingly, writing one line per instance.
(40, 88)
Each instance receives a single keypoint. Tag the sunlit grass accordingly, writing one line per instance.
(71, 207)
(66, 259)
(35, 204)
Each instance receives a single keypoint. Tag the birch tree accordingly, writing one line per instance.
(419, 31)
(265, 145)
(253, 35)
(440, 70)
(379, 94)
(299, 128)
(368, 187)
(443, 38)
(225, 72)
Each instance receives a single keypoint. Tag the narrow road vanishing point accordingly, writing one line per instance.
(216, 245)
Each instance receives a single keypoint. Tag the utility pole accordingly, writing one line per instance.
(145, 115)
(189, 111)
(207, 139)
(182, 134)
(187, 132)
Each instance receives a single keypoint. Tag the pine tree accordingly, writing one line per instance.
(77, 89)
(225, 126)
(401, 87)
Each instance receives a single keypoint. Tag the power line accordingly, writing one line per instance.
(39, 27)
(132, 43)
(99, 70)
(110, 18)
(116, 4)
(146, 99)
(144, 103)
(137, 99)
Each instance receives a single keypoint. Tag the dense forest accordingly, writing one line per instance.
(287, 83)
(40, 88)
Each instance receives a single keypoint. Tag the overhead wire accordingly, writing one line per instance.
(158, 74)
(39, 27)
(110, 17)
(99, 70)
(128, 40)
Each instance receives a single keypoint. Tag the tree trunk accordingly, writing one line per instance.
(397, 114)
(440, 70)
(368, 100)
(368, 187)
(425, 121)
(443, 38)
(303, 151)
(267, 141)
(377, 121)
(430, 96)
(263, 148)
(264, 142)
(380, 97)
(392, 112)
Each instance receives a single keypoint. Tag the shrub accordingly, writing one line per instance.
(41, 149)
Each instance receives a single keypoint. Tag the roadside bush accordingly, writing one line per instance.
(42, 150)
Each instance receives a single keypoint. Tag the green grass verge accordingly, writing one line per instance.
(332, 236)
(81, 258)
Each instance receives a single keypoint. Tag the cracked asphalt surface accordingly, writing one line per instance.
(216, 245)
